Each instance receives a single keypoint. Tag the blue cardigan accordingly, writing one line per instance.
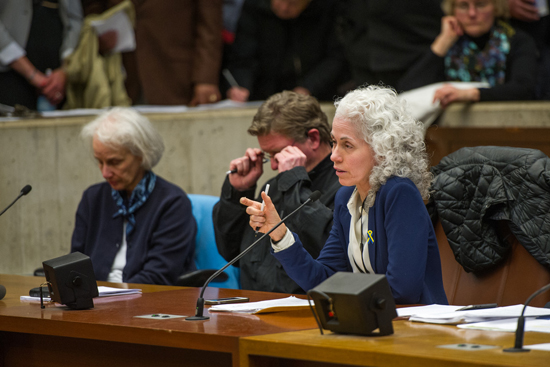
(161, 246)
(405, 248)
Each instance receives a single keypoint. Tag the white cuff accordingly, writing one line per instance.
(10, 53)
(284, 243)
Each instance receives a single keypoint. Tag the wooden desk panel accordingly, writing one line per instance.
(412, 345)
(28, 334)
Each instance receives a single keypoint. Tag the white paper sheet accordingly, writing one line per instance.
(438, 314)
(274, 305)
(103, 292)
(120, 23)
(419, 100)
(510, 325)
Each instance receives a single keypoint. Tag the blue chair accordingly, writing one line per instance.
(207, 257)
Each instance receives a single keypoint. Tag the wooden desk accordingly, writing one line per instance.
(54, 336)
(412, 345)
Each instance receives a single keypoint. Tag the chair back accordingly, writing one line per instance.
(206, 251)
(492, 224)
(509, 283)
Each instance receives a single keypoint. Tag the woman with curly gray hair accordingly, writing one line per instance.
(381, 224)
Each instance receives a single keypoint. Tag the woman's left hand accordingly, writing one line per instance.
(449, 94)
(264, 221)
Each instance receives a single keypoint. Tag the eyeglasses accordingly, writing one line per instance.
(464, 6)
(267, 156)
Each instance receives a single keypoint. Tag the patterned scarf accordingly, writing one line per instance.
(139, 196)
(467, 63)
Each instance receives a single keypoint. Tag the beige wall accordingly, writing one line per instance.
(49, 155)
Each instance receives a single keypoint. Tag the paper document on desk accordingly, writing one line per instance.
(274, 305)
(103, 292)
(510, 325)
(436, 314)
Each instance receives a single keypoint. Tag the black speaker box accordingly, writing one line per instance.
(355, 303)
(71, 280)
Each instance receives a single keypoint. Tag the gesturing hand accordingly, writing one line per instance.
(265, 220)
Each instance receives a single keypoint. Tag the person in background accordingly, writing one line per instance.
(178, 50)
(35, 37)
(382, 39)
(381, 225)
(136, 227)
(286, 45)
(477, 45)
(293, 134)
(525, 15)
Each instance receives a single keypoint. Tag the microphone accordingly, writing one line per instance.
(520, 330)
(199, 312)
(2, 291)
(24, 191)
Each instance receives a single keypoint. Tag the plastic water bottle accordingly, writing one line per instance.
(42, 103)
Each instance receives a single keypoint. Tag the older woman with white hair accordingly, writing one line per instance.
(381, 224)
(136, 227)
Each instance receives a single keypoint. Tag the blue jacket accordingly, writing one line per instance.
(405, 248)
(161, 246)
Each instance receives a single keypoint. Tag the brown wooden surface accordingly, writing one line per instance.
(411, 345)
(110, 330)
(509, 283)
(441, 141)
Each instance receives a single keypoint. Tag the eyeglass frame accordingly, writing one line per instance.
(478, 6)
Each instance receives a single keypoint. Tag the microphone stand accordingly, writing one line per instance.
(520, 330)
(24, 191)
(199, 311)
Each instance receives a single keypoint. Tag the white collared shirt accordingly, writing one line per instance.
(359, 258)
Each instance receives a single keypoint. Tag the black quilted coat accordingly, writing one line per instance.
(474, 188)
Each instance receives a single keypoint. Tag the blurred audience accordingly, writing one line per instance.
(35, 37)
(525, 15)
(382, 39)
(94, 79)
(476, 44)
(178, 50)
(286, 45)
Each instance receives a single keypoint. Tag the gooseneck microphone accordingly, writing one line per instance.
(24, 191)
(199, 312)
(520, 330)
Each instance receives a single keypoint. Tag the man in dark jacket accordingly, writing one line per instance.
(286, 45)
(382, 39)
(294, 134)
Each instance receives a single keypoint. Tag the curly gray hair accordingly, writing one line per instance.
(125, 127)
(396, 138)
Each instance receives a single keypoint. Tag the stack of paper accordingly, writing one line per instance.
(439, 314)
(274, 305)
(510, 325)
(103, 292)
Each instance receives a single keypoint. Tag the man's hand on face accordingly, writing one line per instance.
(290, 157)
(249, 169)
